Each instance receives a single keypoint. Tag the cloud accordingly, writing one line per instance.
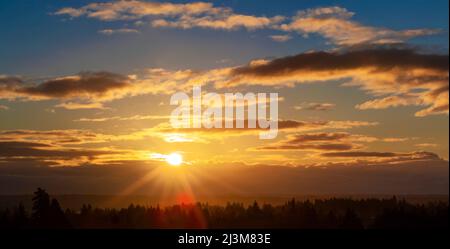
(381, 59)
(131, 10)
(203, 135)
(327, 141)
(80, 106)
(281, 38)
(3, 107)
(119, 118)
(396, 76)
(67, 138)
(314, 137)
(33, 151)
(175, 15)
(316, 106)
(421, 155)
(283, 126)
(72, 12)
(54, 137)
(396, 139)
(334, 24)
(90, 90)
(227, 22)
(391, 101)
(324, 141)
(85, 85)
(311, 147)
(68, 147)
(429, 145)
(118, 31)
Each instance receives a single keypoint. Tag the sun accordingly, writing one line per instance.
(174, 159)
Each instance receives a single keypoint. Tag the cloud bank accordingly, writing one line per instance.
(333, 23)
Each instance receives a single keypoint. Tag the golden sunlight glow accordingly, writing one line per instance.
(174, 159)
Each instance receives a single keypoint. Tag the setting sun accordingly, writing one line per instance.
(174, 159)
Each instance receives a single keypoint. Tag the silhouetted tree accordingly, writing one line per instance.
(41, 206)
(46, 213)
(20, 217)
(331, 221)
(56, 216)
(334, 213)
(351, 220)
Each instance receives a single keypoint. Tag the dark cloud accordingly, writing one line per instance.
(321, 147)
(87, 83)
(316, 107)
(395, 76)
(8, 81)
(287, 126)
(54, 137)
(324, 141)
(300, 138)
(90, 90)
(362, 154)
(382, 59)
(43, 151)
(87, 90)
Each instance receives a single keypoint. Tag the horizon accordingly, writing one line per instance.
(77, 201)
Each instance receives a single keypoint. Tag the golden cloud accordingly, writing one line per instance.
(398, 76)
(334, 24)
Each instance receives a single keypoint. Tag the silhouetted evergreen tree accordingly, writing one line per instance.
(351, 220)
(56, 217)
(331, 221)
(40, 210)
(20, 217)
(46, 213)
(334, 213)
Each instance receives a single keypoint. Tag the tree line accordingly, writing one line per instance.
(333, 213)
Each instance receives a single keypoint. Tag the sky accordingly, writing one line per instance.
(85, 90)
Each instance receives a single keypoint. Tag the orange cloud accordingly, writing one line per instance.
(331, 22)
(316, 106)
(429, 145)
(396, 77)
(324, 141)
(391, 101)
(129, 10)
(34, 151)
(54, 137)
(399, 76)
(90, 90)
(281, 38)
(175, 15)
(421, 155)
(87, 85)
(119, 118)
(227, 22)
(334, 24)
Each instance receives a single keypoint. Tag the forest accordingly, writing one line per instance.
(332, 213)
